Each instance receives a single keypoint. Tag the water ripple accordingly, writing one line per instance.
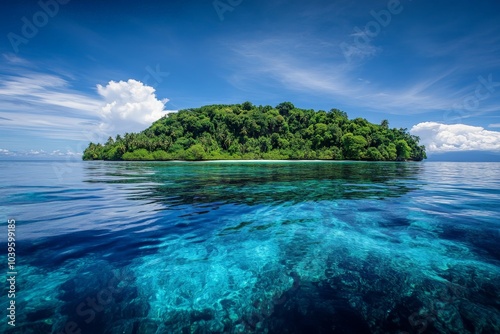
(259, 246)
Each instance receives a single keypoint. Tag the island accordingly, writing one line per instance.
(248, 132)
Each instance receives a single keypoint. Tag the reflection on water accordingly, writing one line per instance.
(261, 182)
(259, 247)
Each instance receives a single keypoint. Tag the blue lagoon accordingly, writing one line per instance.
(255, 247)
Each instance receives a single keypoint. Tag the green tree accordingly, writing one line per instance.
(284, 108)
(140, 155)
(373, 154)
(354, 146)
(392, 152)
(247, 105)
(260, 132)
(403, 151)
(195, 152)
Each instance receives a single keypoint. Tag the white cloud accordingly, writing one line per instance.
(496, 125)
(12, 59)
(46, 106)
(60, 153)
(36, 152)
(45, 90)
(315, 64)
(129, 105)
(40, 153)
(270, 61)
(439, 137)
(359, 50)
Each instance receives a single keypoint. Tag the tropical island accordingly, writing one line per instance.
(249, 132)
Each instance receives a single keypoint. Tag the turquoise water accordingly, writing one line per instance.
(254, 247)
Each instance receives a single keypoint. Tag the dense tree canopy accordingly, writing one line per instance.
(245, 131)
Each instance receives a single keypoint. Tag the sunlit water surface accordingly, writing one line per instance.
(254, 247)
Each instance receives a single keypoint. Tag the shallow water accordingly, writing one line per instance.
(255, 247)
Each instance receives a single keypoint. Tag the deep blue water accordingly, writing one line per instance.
(254, 247)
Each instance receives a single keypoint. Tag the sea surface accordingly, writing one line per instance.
(252, 247)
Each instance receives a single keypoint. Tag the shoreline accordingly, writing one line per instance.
(259, 160)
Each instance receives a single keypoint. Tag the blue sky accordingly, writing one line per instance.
(75, 71)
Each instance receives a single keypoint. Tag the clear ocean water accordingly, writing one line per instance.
(253, 247)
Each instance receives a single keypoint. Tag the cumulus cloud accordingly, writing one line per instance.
(439, 137)
(130, 106)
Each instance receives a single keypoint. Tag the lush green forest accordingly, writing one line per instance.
(245, 131)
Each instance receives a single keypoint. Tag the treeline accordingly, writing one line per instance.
(245, 131)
